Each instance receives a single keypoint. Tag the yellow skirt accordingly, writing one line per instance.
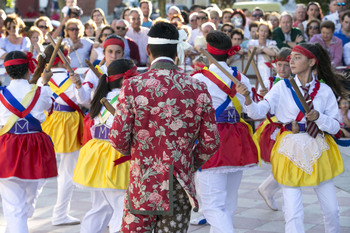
(328, 165)
(63, 128)
(95, 167)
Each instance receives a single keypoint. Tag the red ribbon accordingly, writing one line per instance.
(280, 59)
(29, 60)
(231, 51)
(113, 41)
(305, 52)
(58, 58)
(129, 73)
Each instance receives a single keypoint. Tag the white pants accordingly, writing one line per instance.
(107, 208)
(218, 194)
(65, 184)
(17, 203)
(294, 211)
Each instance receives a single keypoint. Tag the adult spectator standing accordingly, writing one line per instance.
(285, 35)
(80, 46)
(332, 44)
(74, 12)
(45, 26)
(215, 16)
(161, 189)
(344, 32)
(300, 15)
(138, 33)
(227, 15)
(258, 14)
(313, 28)
(193, 20)
(202, 17)
(274, 19)
(332, 6)
(334, 17)
(313, 11)
(131, 50)
(98, 16)
(200, 41)
(146, 8)
(14, 39)
(173, 10)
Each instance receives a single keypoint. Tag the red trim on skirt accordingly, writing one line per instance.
(88, 123)
(237, 147)
(27, 156)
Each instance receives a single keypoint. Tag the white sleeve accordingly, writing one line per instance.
(346, 53)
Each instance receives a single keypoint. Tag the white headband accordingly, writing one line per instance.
(182, 45)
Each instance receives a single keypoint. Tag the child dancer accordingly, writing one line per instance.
(95, 167)
(265, 133)
(65, 127)
(309, 157)
(27, 154)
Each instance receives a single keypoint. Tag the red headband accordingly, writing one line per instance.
(113, 41)
(29, 60)
(305, 52)
(280, 59)
(216, 51)
(58, 58)
(127, 74)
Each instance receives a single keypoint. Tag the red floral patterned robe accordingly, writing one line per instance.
(158, 119)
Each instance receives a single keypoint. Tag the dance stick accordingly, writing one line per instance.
(107, 105)
(63, 58)
(250, 58)
(88, 63)
(212, 59)
(300, 96)
(258, 76)
(54, 55)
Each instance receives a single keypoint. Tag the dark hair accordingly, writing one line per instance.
(253, 24)
(324, 69)
(43, 60)
(113, 36)
(185, 16)
(346, 13)
(13, 18)
(283, 53)
(102, 30)
(238, 31)
(219, 40)
(320, 16)
(16, 71)
(309, 23)
(99, 10)
(116, 67)
(166, 31)
(124, 11)
(328, 24)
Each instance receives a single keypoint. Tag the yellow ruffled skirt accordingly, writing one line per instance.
(95, 167)
(327, 166)
(65, 130)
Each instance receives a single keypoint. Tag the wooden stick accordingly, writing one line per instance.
(300, 96)
(260, 81)
(228, 74)
(88, 63)
(64, 59)
(250, 58)
(54, 55)
(107, 105)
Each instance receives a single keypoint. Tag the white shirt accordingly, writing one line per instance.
(86, 93)
(60, 74)
(334, 17)
(19, 88)
(194, 33)
(141, 39)
(217, 95)
(346, 54)
(279, 100)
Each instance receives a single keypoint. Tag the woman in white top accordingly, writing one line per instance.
(304, 153)
(266, 50)
(98, 16)
(14, 39)
(97, 51)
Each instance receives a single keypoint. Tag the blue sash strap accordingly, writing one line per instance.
(35, 123)
(295, 97)
(223, 106)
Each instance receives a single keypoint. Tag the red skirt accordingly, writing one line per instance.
(237, 147)
(88, 122)
(266, 142)
(27, 156)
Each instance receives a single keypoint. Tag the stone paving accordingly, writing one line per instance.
(252, 215)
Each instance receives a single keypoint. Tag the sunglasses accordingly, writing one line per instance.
(259, 15)
(193, 20)
(121, 28)
(313, 28)
(201, 18)
(106, 34)
(43, 27)
(227, 30)
(341, 4)
(73, 29)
